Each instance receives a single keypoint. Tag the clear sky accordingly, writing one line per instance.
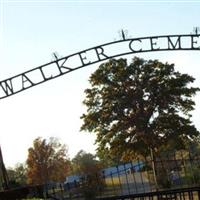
(30, 31)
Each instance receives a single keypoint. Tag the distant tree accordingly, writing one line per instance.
(21, 173)
(12, 178)
(17, 175)
(138, 108)
(89, 169)
(84, 163)
(47, 161)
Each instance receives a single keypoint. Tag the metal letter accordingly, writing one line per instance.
(153, 43)
(194, 42)
(100, 53)
(26, 79)
(83, 58)
(130, 45)
(63, 67)
(7, 87)
(171, 44)
(43, 75)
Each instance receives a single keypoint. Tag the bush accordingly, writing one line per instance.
(91, 185)
(192, 175)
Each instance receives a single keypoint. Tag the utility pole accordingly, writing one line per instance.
(3, 172)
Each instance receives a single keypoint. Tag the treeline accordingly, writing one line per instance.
(48, 161)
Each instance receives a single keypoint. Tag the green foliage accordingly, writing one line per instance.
(163, 178)
(145, 168)
(139, 106)
(109, 160)
(86, 165)
(17, 175)
(91, 185)
(192, 175)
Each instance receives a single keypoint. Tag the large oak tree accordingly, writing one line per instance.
(137, 107)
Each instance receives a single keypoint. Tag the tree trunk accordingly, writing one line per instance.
(153, 168)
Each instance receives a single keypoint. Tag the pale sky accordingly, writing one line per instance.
(30, 31)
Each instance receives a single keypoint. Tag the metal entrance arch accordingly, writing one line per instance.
(70, 63)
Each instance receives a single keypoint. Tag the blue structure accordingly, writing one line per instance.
(123, 168)
(118, 170)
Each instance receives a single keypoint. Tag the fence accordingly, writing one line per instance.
(172, 194)
(170, 172)
(22, 193)
(145, 179)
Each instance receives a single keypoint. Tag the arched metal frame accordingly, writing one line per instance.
(94, 55)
